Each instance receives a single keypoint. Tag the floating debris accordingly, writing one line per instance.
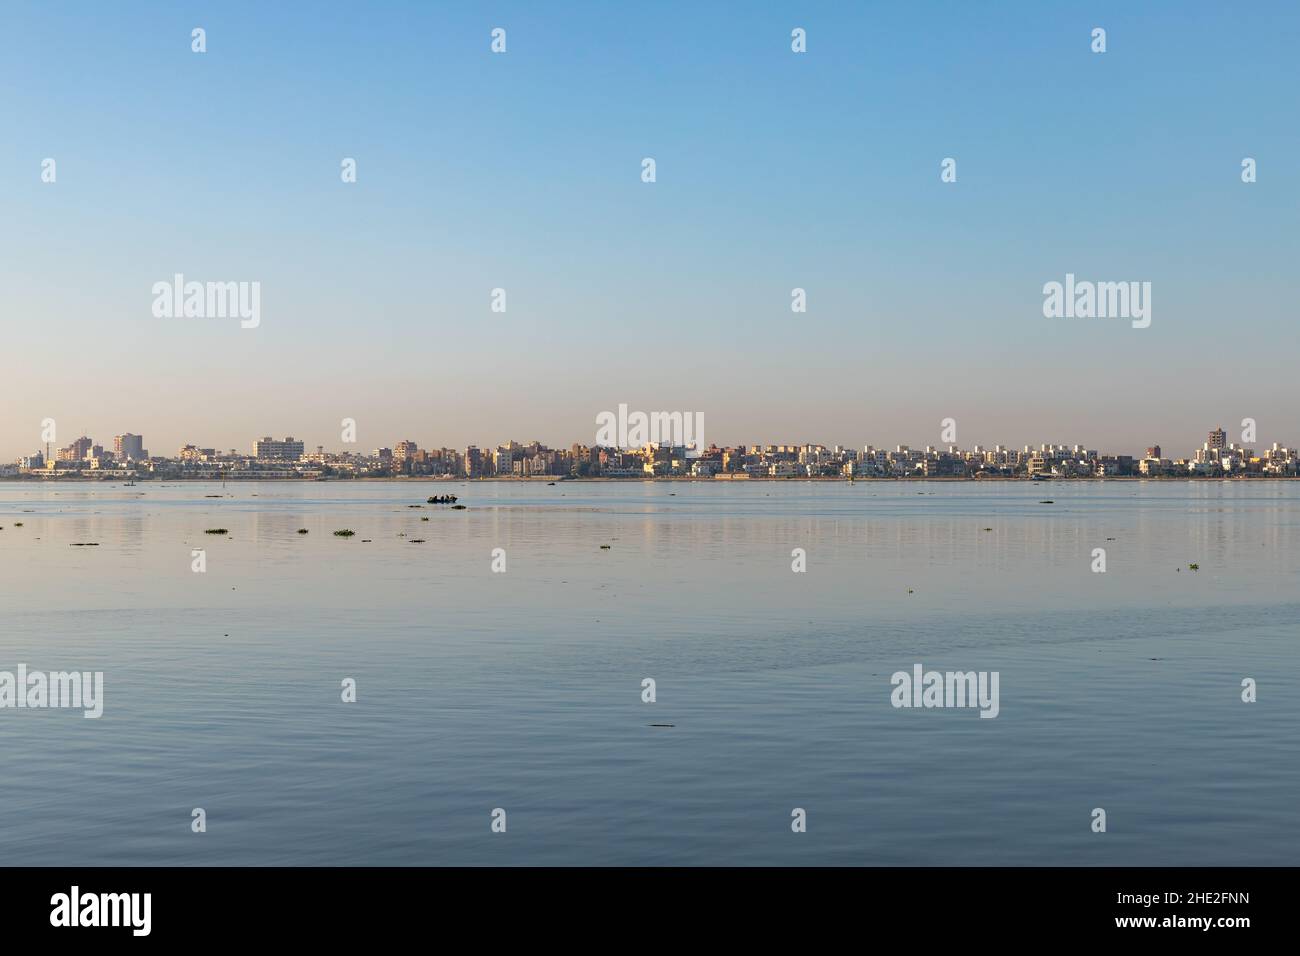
(663, 725)
(604, 547)
(344, 533)
(84, 544)
(442, 500)
(1193, 567)
(1047, 502)
(988, 529)
(302, 531)
(417, 541)
(424, 519)
(217, 531)
(18, 524)
(457, 507)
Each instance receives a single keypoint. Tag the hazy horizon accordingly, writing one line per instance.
(775, 171)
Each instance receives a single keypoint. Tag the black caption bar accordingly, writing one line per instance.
(375, 904)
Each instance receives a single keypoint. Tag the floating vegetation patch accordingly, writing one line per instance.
(217, 531)
(344, 533)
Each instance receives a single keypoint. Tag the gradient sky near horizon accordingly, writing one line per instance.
(775, 171)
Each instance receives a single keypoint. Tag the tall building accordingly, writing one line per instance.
(128, 447)
(404, 452)
(503, 459)
(473, 462)
(77, 451)
(1153, 451)
(269, 449)
(1218, 439)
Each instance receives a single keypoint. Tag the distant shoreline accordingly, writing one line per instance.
(560, 479)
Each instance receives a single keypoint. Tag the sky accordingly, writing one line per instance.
(774, 171)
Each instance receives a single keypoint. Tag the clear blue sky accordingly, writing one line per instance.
(775, 170)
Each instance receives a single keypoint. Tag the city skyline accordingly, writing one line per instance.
(1249, 437)
(289, 457)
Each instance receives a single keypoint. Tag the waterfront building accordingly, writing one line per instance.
(268, 449)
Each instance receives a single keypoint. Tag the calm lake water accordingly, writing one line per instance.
(522, 690)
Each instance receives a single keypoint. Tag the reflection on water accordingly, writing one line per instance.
(522, 690)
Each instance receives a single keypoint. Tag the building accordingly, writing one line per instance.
(268, 449)
(405, 453)
(129, 447)
(1218, 439)
(1038, 465)
(77, 451)
(503, 459)
(473, 462)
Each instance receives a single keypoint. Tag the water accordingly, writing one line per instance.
(522, 690)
